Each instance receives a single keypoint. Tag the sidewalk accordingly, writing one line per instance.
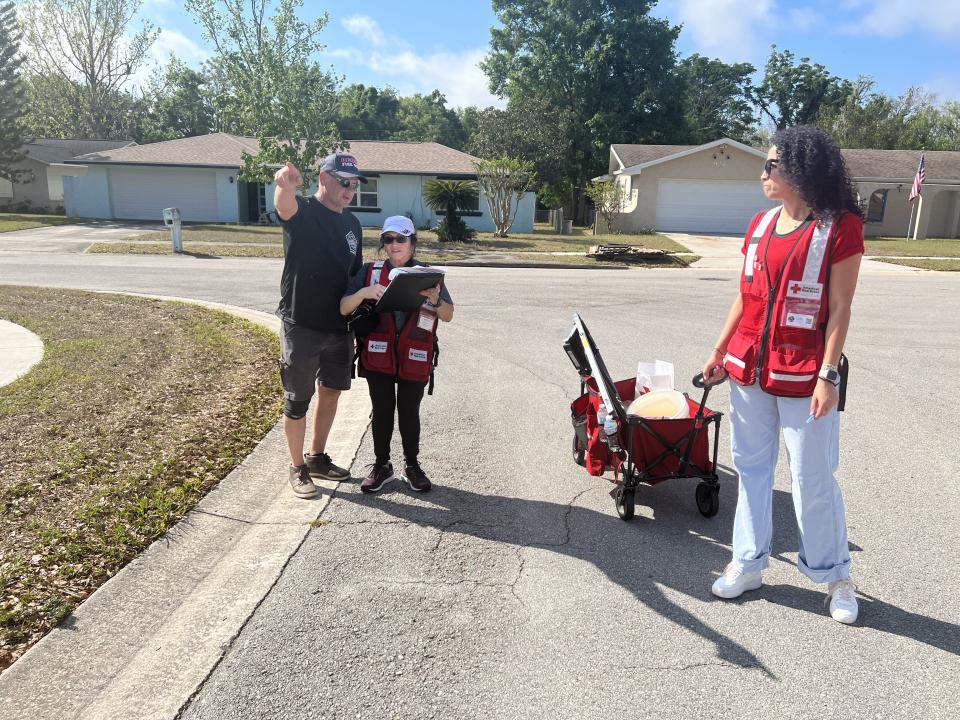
(722, 252)
(20, 350)
(144, 642)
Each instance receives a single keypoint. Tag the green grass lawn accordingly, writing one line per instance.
(931, 247)
(23, 221)
(266, 241)
(137, 409)
(949, 265)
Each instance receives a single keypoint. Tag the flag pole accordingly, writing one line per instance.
(919, 210)
(910, 221)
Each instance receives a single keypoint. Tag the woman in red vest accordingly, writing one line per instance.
(396, 357)
(781, 347)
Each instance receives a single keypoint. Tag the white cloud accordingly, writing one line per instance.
(892, 18)
(732, 30)
(456, 74)
(945, 87)
(366, 28)
(169, 43)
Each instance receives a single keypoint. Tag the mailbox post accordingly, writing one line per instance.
(171, 218)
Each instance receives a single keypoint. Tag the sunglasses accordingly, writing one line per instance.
(343, 182)
(390, 239)
(769, 165)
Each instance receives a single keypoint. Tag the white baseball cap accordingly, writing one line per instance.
(400, 224)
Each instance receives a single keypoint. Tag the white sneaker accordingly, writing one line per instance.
(843, 603)
(734, 582)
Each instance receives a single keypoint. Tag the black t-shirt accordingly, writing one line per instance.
(322, 250)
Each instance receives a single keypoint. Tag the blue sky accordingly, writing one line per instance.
(420, 45)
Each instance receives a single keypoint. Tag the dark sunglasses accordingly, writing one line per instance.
(769, 165)
(390, 239)
(352, 184)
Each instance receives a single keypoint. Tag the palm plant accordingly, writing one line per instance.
(451, 196)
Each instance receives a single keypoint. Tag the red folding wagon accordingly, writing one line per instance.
(642, 450)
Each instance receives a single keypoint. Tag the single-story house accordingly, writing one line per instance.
(199, 175)
(715, 188)
(41, 189)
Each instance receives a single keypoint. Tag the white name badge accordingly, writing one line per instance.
(425, 321)
(801, 321)
(418, 355)
(377, 346)
(805, 290)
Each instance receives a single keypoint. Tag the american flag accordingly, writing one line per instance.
(918, 180)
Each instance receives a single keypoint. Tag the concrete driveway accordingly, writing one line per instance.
(70, 238)
(513, 590)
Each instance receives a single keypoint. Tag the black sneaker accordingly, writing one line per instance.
(322, 466)
(414, 476)
(378, 476)
(301, 483)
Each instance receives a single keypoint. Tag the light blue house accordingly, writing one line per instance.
(199, 176)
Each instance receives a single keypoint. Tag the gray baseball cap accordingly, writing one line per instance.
(342, 164)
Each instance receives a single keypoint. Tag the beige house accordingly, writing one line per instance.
(715, 188)
(41, 189)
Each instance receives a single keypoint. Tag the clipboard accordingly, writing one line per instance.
(403, 292)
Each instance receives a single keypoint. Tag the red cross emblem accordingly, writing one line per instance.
(795, 287)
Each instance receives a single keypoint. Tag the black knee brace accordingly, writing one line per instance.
(295, 409)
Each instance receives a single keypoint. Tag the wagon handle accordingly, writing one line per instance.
(698, 381)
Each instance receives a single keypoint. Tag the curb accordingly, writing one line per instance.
(146, 641)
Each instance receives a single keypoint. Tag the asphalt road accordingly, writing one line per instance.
(514, 591)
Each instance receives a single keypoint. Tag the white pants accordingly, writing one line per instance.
(756, 418)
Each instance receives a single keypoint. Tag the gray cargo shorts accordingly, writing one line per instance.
(310, 357)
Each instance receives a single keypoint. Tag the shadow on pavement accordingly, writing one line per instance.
(678, 557)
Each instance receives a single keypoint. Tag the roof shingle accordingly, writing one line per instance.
(55, 150)
(892, 164)
(224, 150)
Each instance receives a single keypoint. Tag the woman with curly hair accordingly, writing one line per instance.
(781, 346)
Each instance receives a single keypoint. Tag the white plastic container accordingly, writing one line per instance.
(656, 375)
(668, 404)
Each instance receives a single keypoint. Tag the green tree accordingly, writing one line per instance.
(795, 93)
(181, 103)
(12, 95)
(368, 113)
(268, 85)
(610, 200)
(503, 182)
(83, 48)
(426, 118)
(607, 64)
(450, 197)
(912, 121)
(716, 99)
(531, 130)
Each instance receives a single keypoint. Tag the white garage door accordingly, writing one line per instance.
(708, 206)
(142, 194)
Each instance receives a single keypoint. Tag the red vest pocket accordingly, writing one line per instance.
(377, 354)
(741, 358)
(416, 357)
(792, 367)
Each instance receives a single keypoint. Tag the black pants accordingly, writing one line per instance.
(389, 394)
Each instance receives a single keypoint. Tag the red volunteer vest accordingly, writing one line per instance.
(781, 335)
(407, 354)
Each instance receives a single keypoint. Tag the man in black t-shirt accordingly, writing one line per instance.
(322, 246)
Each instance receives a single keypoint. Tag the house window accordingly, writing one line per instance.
(876, 206)
(367, 195)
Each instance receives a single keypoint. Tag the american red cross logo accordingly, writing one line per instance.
(795, 287)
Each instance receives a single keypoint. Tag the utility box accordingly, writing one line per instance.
(171, 218)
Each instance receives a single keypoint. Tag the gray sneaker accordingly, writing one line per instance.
(322, 466)
(301, 483)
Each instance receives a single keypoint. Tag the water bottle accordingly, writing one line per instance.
(610, 430)
(602, 421)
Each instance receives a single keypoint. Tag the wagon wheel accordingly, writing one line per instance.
(626, 502)
(579, 456)
(708, 499)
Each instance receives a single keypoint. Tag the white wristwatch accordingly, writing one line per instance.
(830, 373)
